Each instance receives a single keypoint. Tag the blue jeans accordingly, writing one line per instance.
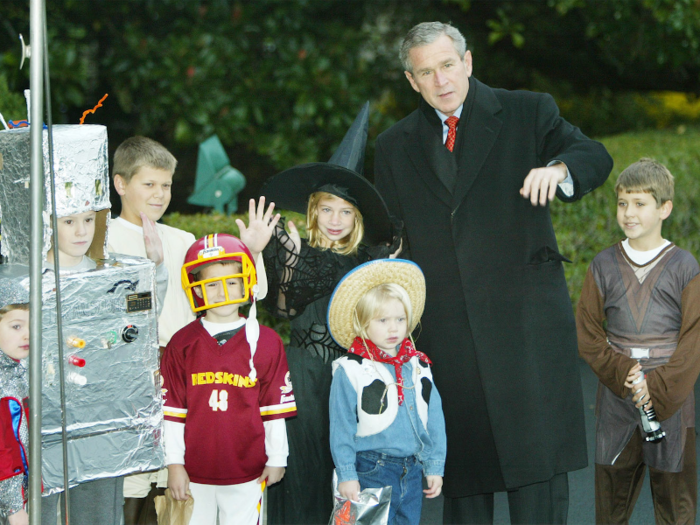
(404, 475)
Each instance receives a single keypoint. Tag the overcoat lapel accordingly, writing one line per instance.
(476, 138)
(425, 149)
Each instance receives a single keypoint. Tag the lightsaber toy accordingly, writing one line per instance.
(651, 425)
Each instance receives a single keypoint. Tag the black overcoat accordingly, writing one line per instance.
(498, 321)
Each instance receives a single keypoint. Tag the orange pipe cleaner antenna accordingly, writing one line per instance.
(99, 105)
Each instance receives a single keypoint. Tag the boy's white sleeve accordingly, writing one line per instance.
(161, 286)
(174, 441)
(261, 277)
(276, 445)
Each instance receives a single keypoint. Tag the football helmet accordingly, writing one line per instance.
(217, 247)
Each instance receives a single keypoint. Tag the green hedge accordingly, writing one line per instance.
(13, 106)
(201, 224)
(583, 228)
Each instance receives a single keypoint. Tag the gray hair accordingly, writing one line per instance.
(427, 33)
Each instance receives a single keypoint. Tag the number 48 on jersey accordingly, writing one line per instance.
(219, 400)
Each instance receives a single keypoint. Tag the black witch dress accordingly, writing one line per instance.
(300, 287)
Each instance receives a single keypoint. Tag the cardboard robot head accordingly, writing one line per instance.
(81, 170)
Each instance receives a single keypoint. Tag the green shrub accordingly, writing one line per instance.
(201, 224)
(601, 111)
(12, 105)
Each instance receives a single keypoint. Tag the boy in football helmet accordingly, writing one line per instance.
(226, 390)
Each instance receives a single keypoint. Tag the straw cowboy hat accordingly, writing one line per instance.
(362, 279)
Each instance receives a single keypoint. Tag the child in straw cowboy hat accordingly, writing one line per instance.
(386, 418)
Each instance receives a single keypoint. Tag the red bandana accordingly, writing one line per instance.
(367, 349)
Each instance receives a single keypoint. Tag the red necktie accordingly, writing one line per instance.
(451, 132)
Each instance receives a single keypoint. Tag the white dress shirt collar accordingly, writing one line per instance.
(443, 118)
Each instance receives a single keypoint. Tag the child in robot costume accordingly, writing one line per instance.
(226, 388)
(347, 224)
(100, 500)
(14, 391)
(386, 421)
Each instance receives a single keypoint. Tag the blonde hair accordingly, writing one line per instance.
(346, 246)
(139, 152)
(11, 307)
(647, 176)
(372, 302)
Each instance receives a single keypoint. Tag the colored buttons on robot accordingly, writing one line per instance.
(76, 361)
(130, 333)
(77, 342)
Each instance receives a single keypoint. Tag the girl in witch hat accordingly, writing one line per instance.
(347, 224)
(386, 420)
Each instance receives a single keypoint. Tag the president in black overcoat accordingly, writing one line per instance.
(498, 323)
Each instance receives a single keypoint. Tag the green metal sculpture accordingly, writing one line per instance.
(217, 183)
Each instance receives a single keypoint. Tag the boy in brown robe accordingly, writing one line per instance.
(638, 323)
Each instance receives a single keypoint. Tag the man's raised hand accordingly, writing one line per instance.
(540, 185)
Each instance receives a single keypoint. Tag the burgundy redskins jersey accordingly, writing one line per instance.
(206, 387)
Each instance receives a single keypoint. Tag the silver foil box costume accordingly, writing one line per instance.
(110, 343)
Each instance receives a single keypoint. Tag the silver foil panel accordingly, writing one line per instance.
(112, 387)
(14, 285)
(81, 169)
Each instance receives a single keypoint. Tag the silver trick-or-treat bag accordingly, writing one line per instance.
(372, 507)
(110, 341)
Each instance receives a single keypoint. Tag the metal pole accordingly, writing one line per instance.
(36, 15)
(57, 279)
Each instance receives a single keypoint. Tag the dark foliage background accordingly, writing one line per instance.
(281, 80)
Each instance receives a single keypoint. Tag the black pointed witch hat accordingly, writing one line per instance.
(340, 176)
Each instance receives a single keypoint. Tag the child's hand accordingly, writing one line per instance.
(19, 518)
(434, 486)
(272, 475)
(151, 240)
(178, 482)
(350, 490)
(640, 389)
(398, 251)
(633, 374)
(261, 224)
